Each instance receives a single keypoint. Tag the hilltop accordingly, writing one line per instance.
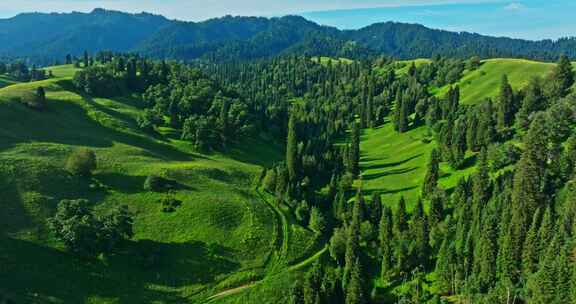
(48, 37)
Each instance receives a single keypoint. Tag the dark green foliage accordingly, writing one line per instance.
(317, 221)
(432, 174)
(562, 78)
(87, 235)
(502, 155)
(35, 100)
(81, 162)
(400, 219)
(355, 150)
(505, 105)
(291, 150)
(355, 293)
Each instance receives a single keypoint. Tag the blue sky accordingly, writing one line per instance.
(530, 19)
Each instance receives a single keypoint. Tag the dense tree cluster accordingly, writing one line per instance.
(504, 234)
(500, 237)
(86, 234)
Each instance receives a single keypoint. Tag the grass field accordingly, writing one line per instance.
(326, 60)
(484, 82)
(394, 165)
(223, 235)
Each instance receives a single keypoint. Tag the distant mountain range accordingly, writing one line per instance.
(46, 37)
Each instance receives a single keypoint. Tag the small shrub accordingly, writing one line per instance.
(82, 162)
(35, 100)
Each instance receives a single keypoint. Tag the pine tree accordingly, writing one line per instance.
(292, 149)
(445, 268)
(481, 182)
(432, 174)
(400, 219)
(530, 249)
(543, 284)
(532, 102)
(562, 78)
(436, 213)
(386, 239)
(355, 289)
(355, 150)
(545, 233)
(403, 118)
(488, 252)
(419, 235)
(376, 208)
(530, 171)
(505, 105)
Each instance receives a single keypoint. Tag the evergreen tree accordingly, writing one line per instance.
(505, 105)
(386, 238)
(562, 78)
(530, 251)
(355, 150)
(403, 118)
(401, 219)
(445, 268)
(292, 149)
(432, 174)
(355, 289)
(419, 235)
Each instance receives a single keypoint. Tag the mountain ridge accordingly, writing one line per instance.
(45, 37)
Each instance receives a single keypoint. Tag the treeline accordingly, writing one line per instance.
(19, 71)
(173, 95)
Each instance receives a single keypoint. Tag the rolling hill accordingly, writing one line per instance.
(224, 234)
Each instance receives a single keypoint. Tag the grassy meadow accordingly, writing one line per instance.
(225, 233)
(476, 86)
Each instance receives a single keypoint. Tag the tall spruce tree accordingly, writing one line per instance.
(432, 174)
(562, 78)
(292, 149)
(355, 149)
(505, 104)
(401, 218)
(386, 238)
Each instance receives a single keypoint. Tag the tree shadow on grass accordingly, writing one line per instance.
(388, 173)
(385, 191)
(393, 164)
(38, 274)
(68, 123)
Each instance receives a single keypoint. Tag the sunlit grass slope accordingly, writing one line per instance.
(223, 230)
(394, 164)
(476, 86)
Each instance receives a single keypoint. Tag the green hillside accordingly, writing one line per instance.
(223, 235)
(394, 164)
(476, 86)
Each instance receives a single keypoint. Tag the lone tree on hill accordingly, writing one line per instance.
(82, 162)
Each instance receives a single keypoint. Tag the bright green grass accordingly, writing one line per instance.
(395, 164)
(63, 71)
(404, 65)
(484, 83)
(326, 60)
(223, 230)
